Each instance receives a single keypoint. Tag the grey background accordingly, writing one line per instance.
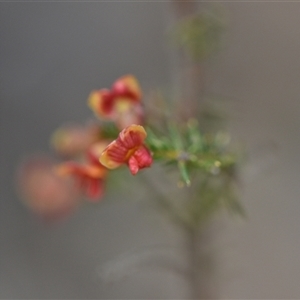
(53, 54)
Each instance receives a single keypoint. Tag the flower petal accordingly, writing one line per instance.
(101, 102)
(90, 178)
(133, 136)
(133, 165)
(72, 168)
(114, 155)
(143, 157)
(95, 189)
(127, 87)
(140, 159)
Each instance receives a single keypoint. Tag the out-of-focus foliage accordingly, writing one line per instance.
(199, 35)
(207, 166)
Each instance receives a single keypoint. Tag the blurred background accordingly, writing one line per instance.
(53, 54)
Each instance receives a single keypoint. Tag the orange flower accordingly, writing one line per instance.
(73, 140)
(128, 148)
(90, 176)
(120, 104)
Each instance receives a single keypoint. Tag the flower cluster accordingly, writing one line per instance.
(122, 137)
(92, 150)
(120, 105)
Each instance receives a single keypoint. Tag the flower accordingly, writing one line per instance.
(73, 140)
(120, 104)
(90, 176)
(128, 149)
(46, 194)
(127, 87)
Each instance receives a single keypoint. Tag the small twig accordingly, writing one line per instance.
(162, 201)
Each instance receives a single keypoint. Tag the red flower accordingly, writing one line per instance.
(120, 104)
(127, 87)
(90, 176)
(128, 148)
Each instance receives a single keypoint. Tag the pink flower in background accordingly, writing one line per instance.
(45, 193)
(120, 104)
(128, 149)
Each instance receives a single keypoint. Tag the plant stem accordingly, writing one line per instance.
(190, 80)
(200, 264)
(164, 203)
(193, 260)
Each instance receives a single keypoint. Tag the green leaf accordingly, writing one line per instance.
(184, 172)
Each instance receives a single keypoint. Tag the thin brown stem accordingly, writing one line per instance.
(189, 80)
(199, 269)
(193, 263)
